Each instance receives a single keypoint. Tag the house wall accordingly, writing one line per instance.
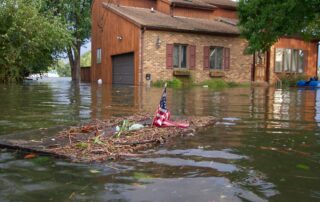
(137, 3)
(295, 43)
(192, 12)
(219, 12)
(154, 59)
(96, 34)
(106, 39)
(163, 6)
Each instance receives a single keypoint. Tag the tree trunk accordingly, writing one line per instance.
(74, 60)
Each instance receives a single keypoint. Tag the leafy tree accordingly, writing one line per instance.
(76, 13)
(29, 40)
(62, 68)
(86, 59)
(264, 22)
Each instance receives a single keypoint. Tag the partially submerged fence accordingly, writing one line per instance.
(85, 74)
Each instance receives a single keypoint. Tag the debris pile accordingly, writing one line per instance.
(110, 139)
(99, 141)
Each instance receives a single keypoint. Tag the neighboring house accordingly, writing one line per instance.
(137, 40)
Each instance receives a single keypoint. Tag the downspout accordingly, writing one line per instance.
(171, 9)
(253, 67)
(143, 29)
(268, 66)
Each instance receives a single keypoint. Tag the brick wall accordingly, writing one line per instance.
(295, 43)
(154, 58)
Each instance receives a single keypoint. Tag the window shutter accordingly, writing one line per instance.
(306, 64)
(226, 58)
(192, 56)
(169, 56)
(206, 53)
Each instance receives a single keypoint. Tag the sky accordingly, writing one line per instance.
(85, 48)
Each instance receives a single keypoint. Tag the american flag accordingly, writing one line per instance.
(162, 116)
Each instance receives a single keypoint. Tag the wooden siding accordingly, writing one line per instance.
(138, 3)
(219, 12)
(85, 74)
(192, 12)
(164, 7)
(113, 26)
(97, 18)
(310, 47)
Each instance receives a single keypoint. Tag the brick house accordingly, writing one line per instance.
(137, 40)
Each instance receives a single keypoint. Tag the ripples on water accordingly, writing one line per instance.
(264, 147)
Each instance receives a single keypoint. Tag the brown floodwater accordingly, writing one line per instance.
(265, 146)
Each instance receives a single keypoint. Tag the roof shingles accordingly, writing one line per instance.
(157, 20)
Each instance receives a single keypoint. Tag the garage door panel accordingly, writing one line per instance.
(123, 69)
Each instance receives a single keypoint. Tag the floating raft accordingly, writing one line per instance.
(96, 141)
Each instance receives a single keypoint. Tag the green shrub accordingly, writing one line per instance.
(220, 84)
(290, 80)
(211, 83)
(174, 83)
(232, 84)
(158, 83)
(215, 83)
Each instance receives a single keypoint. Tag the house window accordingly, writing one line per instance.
(99, 56)
(180, 56)
(216, 58)
(289, 60)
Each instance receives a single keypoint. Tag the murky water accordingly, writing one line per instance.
(265, 147)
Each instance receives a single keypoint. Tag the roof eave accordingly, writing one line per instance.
(198, 31)
(297, 36)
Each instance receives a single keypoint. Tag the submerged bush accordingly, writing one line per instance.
(290, 80)
(174, 83)
(220, 83)
(232, 84)
(215, 83)
(211, 83)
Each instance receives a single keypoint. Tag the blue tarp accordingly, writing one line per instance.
(308, 84)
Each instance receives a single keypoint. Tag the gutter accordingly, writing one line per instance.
(141, 54)
(195, 31)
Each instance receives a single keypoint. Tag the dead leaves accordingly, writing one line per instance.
(30, 156)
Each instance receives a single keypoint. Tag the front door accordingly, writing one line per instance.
(260, 67)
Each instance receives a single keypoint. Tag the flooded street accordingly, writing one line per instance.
(265, 146)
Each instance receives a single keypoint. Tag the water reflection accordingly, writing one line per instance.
(265, 146)
(183, 189)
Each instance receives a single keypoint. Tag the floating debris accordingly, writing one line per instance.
(99, 141)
